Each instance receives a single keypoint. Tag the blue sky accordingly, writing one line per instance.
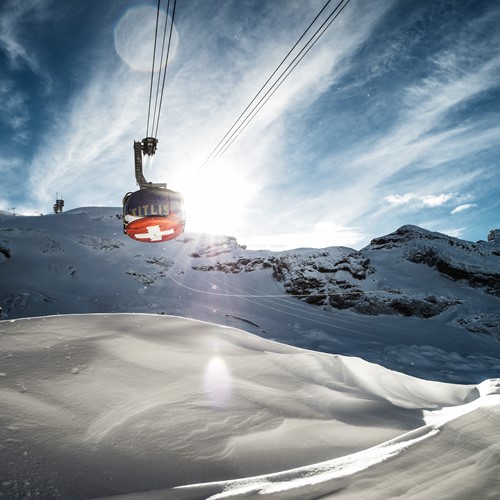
(392, 118)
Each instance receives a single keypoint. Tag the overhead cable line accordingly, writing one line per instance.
(153, 67)
(267, 81)
(166, 63)
(305, 295)
(277, 84)
(238, 126)
(159, 69)
(155, 119)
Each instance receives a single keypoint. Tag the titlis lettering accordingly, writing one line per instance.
(149, 211)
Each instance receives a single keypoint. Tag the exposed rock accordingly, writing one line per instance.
(488, 324)
(104, 244)
(344, 278)
(147, 276)
(4, 250)
(213, 246)
(238, 265)
(458, 270)
(337, 277)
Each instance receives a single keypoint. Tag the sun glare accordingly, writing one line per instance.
(216, 201)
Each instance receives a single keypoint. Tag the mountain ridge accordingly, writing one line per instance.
(411, 272)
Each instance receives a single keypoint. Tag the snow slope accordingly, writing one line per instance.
(165, 407)
(189, 370)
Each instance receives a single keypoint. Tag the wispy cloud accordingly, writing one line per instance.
(96, 133)
(262, 150)
(428, 136)
(419, 201)
(13, 20)
(461, 208)
(15, 112)
(202, 99)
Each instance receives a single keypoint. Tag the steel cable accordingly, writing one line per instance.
(235, 130)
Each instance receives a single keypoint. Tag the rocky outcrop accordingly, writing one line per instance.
(208, 246)
(238, 265)
(335, 278)
(320, 276)
(458, 270)
(4, 251)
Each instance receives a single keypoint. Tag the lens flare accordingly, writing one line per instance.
(133, 37)
(217, 382)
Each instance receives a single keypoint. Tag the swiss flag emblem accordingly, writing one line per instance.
(154, 229)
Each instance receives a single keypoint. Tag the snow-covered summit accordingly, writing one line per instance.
(410, 233)
(477, 264)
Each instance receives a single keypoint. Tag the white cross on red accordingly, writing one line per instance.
(154, 233)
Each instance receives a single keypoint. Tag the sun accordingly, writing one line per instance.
(217, 201)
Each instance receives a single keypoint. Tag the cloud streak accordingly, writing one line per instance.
(461, 208)
(426, 135)
(430, 201)
(15, 113)
(13, 20)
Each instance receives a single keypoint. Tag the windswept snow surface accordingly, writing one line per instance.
(151, 406)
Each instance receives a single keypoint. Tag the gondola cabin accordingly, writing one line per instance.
(153, 214)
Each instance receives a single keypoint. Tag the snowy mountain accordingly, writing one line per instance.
(383, 278)
(339, 367)
(80, 262)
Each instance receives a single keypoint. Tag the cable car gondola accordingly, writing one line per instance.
(154, 213)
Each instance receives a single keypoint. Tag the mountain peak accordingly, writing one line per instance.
(404, 235)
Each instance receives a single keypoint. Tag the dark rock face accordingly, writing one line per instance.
(392, 304)
(323, 277)
(335, 279)
(406, 234)
(458, 271)
(4, 251)
(237, 266)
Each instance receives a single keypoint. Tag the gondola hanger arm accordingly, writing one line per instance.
(142, 148)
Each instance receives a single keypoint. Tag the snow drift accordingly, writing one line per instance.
(104, 405)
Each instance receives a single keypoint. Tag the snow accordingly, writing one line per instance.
(98, 405)
(184, 370)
